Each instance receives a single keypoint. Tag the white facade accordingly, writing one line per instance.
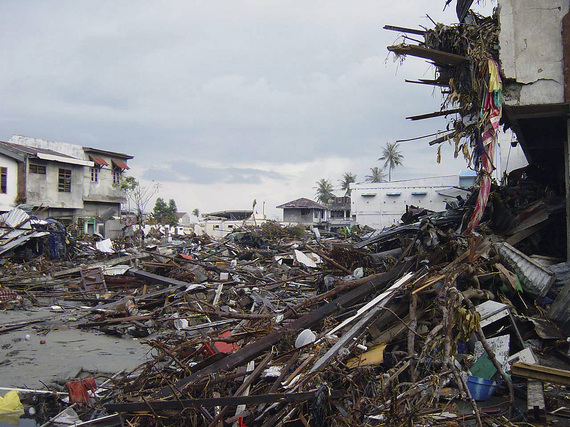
(531, 53)
(382, 204)
(8, 197)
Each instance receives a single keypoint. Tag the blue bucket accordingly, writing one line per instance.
(480, 388)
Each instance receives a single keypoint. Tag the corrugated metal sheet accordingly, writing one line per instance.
(534, 278)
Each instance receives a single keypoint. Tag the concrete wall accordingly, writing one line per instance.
(531, 50)
(72, 150)
(7, 200)
(43, 189)
(379, 205)
(311, 216)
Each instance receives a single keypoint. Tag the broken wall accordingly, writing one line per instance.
(531, 51)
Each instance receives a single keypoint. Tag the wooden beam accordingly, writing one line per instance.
(441, 83)
(404, 30)
(434, 114)
(437, 56)
(162, 405)
(443, 138)
(253, 350)
(540, 372)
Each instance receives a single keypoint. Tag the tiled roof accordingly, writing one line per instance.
(301, 203)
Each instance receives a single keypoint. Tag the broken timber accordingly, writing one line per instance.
(217, 401)
(251, 351)
(540, 372)
(437, 56)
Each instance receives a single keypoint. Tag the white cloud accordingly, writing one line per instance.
(264, 97)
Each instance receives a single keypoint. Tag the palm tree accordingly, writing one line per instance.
(391, 158)
(347, 179)
(324, 191)
(376, 176)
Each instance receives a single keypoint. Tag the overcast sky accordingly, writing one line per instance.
(223, 102)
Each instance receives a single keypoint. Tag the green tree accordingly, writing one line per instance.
(324, 191)
(377, 175)
(347, 179)
(391, 158)
(165, 213)
(196, 212)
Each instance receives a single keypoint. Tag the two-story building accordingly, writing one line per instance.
(64, 181)
(332, 216)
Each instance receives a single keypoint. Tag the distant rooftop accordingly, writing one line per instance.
(301, 203)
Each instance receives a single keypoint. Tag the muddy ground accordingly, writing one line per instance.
(54, 351)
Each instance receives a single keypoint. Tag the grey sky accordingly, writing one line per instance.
(223, 101)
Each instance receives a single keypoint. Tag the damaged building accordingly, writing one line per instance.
(68, 182)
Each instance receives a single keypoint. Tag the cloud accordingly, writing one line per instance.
(189, 172)
(224, 101)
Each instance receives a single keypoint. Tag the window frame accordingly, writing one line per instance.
(116, 176)
(64, 180)
(95, 174)
(3, 180)
(37, 169)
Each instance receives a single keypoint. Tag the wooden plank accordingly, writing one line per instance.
(439, 83)
(540, 372)
(367, 315)
(109, 263)
(437, 56)
(253, 350)
(535, 396)
(404, 30)
(434, 114)
(163, 405)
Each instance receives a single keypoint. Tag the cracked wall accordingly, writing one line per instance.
(531, 50)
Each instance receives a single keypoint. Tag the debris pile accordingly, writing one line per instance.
(413, 325)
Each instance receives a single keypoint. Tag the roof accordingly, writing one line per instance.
(45, 154)
(301, 203)
(180, 214)
(99, 161)
(120, 164)
(235, 215)
(107, 153)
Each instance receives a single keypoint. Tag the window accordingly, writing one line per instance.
(94, 174)
(3, 180)
(64, 181)
(116, 176)
(39, 169)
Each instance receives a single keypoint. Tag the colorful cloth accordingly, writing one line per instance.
(492, 109)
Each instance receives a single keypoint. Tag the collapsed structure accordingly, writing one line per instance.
(424, 323)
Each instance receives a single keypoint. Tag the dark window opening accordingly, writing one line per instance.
(3, 180)
(64, 181)
(39, 169)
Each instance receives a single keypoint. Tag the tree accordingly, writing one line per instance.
(391, 158)
(139, 195)
(324, 191)
(196, 212)
(165, 213)
(377, 175)
(347, 179)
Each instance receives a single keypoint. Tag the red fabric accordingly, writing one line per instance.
(78, 390)
(487, 167)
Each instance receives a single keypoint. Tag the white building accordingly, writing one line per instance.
(382, 204)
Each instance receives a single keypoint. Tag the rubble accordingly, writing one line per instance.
(416, 324)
